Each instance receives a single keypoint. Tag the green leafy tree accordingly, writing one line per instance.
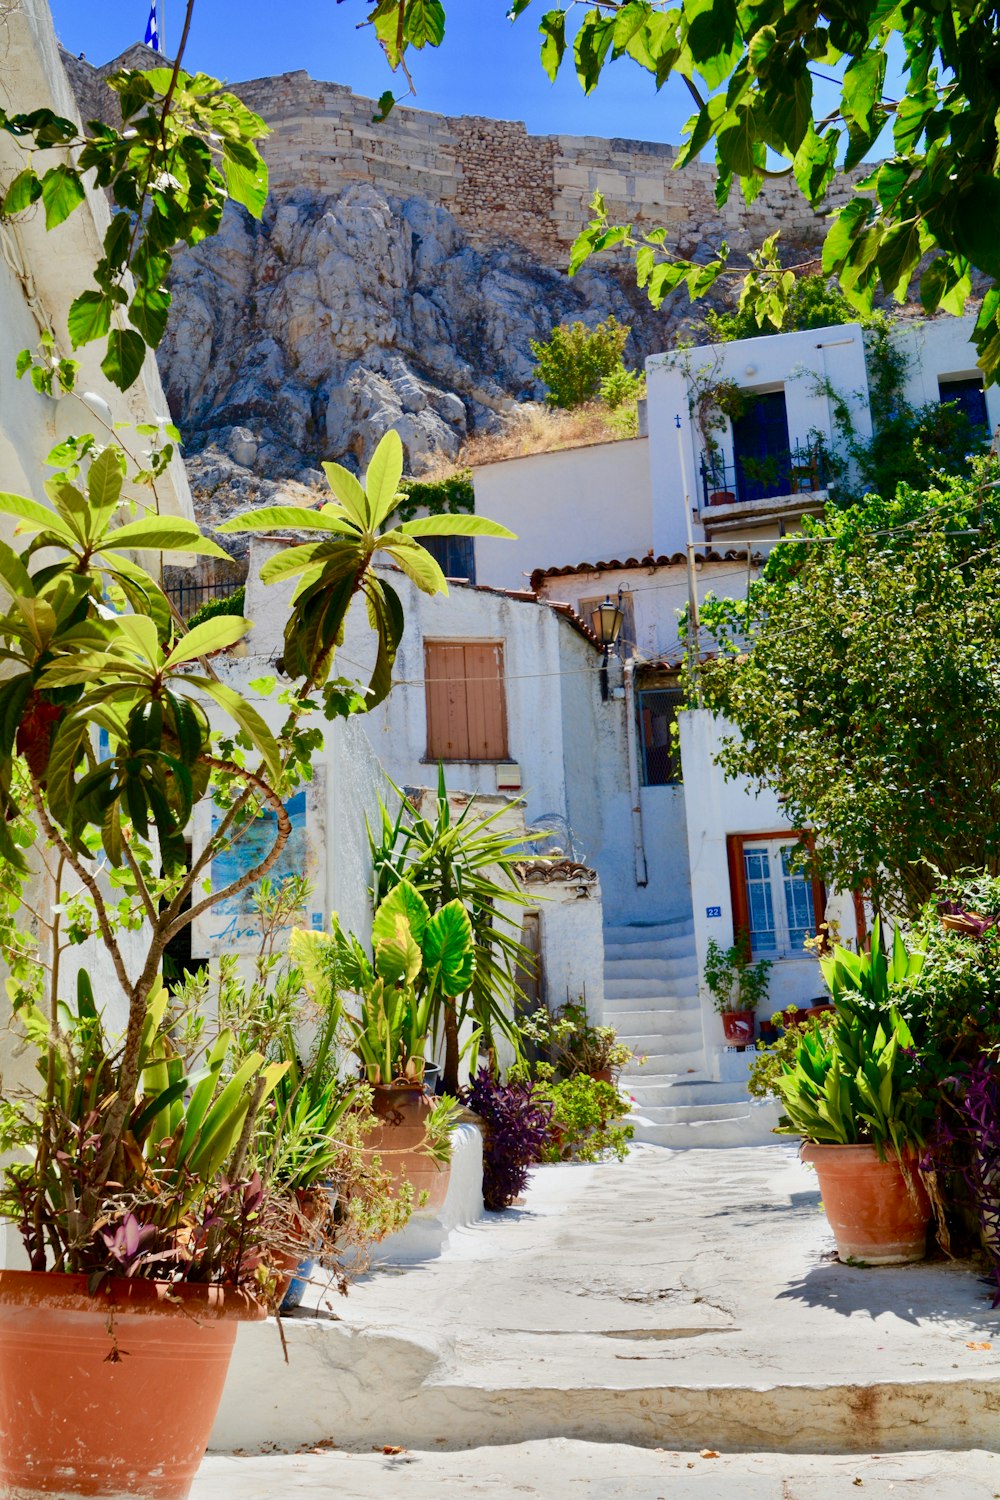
(813, 302)
(576, 359)
(862, 675)
(760, 76)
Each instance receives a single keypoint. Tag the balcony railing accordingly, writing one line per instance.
(796, 471)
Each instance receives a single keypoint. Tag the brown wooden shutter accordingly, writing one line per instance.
(738, 885)
(466, 707)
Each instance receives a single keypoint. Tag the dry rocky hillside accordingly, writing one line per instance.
(398, 277)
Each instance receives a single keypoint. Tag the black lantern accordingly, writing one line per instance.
(606, 623)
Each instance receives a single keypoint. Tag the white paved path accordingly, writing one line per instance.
(562, 1470)
(679, 1300)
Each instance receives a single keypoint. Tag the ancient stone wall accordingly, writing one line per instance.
(500, 182)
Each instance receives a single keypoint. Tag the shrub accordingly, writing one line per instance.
(814, 302)
(577, 358)
(225, 604)
(585, 1113)
(517, 1128)
(622, 388)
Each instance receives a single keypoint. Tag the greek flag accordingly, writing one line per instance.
(153, 29)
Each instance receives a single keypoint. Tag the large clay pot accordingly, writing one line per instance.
(113, 1394)
(878, 1212)
(737, 1027)
(399, 1139)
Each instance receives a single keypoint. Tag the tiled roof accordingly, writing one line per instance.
(530, 596)
(617, 564)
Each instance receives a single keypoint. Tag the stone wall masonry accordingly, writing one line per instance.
(500, 182)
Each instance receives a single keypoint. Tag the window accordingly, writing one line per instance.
(455, 555)
(778, 905)
(659, 759)
(466, 707)
(968, 393)
(761, 448)
(627, 641)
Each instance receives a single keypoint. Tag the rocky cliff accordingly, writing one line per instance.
(398, 278)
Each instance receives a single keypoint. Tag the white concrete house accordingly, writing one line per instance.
(682, 855)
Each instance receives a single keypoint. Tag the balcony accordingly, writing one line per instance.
(786, 482)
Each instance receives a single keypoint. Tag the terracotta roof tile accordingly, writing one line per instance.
(616, 564)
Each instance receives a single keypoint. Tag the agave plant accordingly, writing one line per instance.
(354, 532)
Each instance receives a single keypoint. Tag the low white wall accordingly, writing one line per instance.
(575, 505)
(426, 1235)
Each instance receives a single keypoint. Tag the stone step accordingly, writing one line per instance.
(749, 1127)
(649, 989)
(665, 1062)
(684, 1089)
(666, 1020)
(651, 1043)
(649, 948)
(648, 1113)
(627, 969)
(650, 932)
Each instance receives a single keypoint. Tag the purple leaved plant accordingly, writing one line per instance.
(517, 1127)
(967, 1142)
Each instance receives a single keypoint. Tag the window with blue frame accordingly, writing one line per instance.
(455, 555)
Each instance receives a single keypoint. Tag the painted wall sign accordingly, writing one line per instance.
(233, 926)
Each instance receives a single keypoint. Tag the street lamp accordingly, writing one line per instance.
(606, 623)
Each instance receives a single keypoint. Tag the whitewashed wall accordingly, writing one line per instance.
(941, 348)
(576, 505)
(794, 361)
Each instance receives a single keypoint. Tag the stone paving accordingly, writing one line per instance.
(562, 1470)
(678, 1301)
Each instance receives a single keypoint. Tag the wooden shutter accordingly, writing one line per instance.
(466, 708)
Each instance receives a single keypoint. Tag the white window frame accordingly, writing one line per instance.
(784, 947)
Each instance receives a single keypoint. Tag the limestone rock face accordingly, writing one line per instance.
(305, 337)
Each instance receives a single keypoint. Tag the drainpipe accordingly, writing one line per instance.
(638, 846)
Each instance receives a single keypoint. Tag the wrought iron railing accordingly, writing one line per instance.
(187, 597)
(794, 471)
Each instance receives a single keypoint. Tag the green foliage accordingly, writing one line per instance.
(473, 860)
(861, 674)
(873, 978)
(754, 71)
(575, 360)
(858, 1081)
(774, 1059)
(224, 604)
(420, 961)
(585, 1116)
(908, 444)
(735, 983)
(185, 147)
(449, 496)
(352, 531)
(622, 388)
(813, 302)
(572, 1044)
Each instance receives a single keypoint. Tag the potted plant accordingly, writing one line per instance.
(419, 961)
(737, 987)
(574, 1045)
(853, 1091)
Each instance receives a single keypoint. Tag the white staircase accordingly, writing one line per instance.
(651, 998)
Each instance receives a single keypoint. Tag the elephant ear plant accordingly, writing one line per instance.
(113, 728)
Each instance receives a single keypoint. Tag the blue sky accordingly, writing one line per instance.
(487, 65)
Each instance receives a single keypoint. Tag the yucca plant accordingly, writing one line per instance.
(874, 976)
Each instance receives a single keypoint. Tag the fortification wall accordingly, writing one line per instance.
(499, 181)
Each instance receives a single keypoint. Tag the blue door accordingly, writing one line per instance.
(760, 448)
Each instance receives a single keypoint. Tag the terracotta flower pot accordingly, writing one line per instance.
(111, 1394)
(722, 497)
(399, 1139)
(878, 1212)
(737, 1026)
(603, 1075)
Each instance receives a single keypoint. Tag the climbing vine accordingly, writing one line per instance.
(452, 495)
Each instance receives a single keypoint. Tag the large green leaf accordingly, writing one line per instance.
(162, 534)
(382, 479)
(246, 716)
(448, 947)
(451, 524)
(289, 517)
(398, 959)
(62, 192)
(350, 492)
(211, 635)
(404, 900)
(125, 356)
